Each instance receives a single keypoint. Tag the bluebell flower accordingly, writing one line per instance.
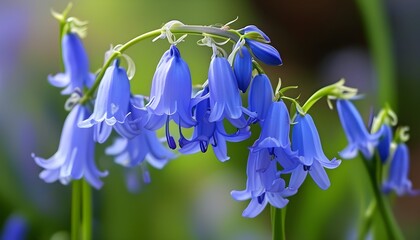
(136, 177)
(140, 151)
(253, 28)
(15, 228)
(75, 156)
(384, 145)
(357, 135)
(146, 146)
(260, 96)
(206, 133)
(76, 65)
(397, 180)
(134, 123)
(225, 100)
(306, 142)
(265, 53)
(264, 185)
(171, 90)
(274, 136)
(242, 66)
(111, 104)
(262, 50)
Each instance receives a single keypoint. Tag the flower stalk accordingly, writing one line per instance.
(75, 209)
(182, 29)
(382, 204)
(278, 222)
(334, 91)
(87, 211)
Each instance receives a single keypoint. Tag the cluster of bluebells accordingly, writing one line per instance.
(288, 145)
(378, 143)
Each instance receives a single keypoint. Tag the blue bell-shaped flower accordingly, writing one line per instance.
(357, 135)
(260, 96)
(76, 65)
(75, 156)
(206, 133)
(264, 185)
(225, 100)
(171, 90)
(384, 145)
(306, 142)
(262, 50)
(111, 103)
(242, 66)
(397, 180)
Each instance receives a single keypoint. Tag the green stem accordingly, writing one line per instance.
(391, 226)
(380, 42)
(184, 29)
(87, 211)
(366, 221)
(75, 209)
(278, 221)
(337, 90)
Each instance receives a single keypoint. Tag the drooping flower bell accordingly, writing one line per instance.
(225, 100)
(384, 145)
(260, 48)
(242, 66)
(274, 136)
(75, 156)
(138, 146)
(260, 96)
(144, 147)
(357, 135)
(397, 180)
(171, 90)
(15, 228)
(135, 121)
(264, 185)
(206, 133)
(111, 103)
(306, 142)
(76, 65)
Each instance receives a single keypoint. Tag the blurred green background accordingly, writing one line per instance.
(320, 42)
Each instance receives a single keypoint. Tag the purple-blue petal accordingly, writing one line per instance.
(355, 130)
(265, 53)
(397, 179)
(112, 101)
(276, 128)
(74, 158)
(253, 28)
(242, 66)
(225, 100)
(172, 88)
(260, 96)
(75, 60)
(384, 144)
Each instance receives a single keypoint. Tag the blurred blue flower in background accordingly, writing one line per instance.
(357, 135)
(384, 145)
(397, 180)
(15, 228)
